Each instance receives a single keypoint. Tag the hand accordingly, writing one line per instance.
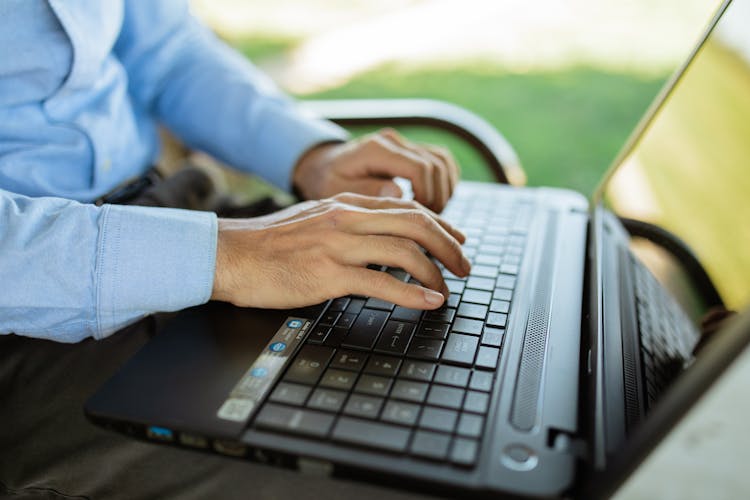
(318, 250)
(369, 164)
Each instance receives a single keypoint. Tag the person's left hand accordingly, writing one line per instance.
(369, 164)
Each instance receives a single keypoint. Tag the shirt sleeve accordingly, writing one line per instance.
(71, 271)
(212, 97)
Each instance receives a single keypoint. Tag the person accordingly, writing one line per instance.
(83, 88)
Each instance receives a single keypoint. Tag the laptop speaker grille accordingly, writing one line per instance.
(526, 398)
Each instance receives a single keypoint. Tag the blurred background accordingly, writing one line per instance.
(564, 80)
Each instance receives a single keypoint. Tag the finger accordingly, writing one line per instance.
(440, 173)
(386, 203)
(373, 187)
(362, 281)
(385, 158)
(415, 225)
(393, 252)
(454, 170)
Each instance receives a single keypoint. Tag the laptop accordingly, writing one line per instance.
(553, 370)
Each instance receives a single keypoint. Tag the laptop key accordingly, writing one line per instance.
(408, 390)
(455, 286)
(398, 412)
(291, 394)
(442, 315)
(372, 434)
(385, 366)
(373, 385)
(476, 402)
(483, 271)
(433, 330)
(492, 336)
(487, 357)
(453, 300)
(338, 379)
(464, 452)
(448, 397)
(479, 283)
(336, 336)
(502, 294)
(497, 319)
(406, 314)
(506, 281)
(466, 325)
(366, 329)
(481, 381)
(487, 259)
(430, 445)
(309, 364)
(500, 306)
(349, 360)
(477, 297)
(418, 370)
(318, 335)
(327, 399)
(475, 311)
(339, 304)
(363, 406)
(422, 348)
(460, 349)
(294, 420)
(438, 419)
(470, 425)
(346, 320)
(452, 375)
(355, 306)
(395, 337)
(329, 318)
(374, 303)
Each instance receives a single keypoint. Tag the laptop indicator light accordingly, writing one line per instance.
(159, 433)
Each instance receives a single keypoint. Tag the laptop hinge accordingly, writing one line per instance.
(572, 445)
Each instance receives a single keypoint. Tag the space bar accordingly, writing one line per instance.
(361, 432)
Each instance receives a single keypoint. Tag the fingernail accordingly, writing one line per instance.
(390, 190)
(466, 264)
(434, 298)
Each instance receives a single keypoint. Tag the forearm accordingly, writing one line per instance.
(72, 271)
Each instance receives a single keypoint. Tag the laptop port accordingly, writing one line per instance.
(231, 448)
(159, 433)
(192, 440)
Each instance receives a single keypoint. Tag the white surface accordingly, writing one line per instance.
(707, 454)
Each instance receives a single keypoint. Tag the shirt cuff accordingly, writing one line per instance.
(286, 134)
(150, 260)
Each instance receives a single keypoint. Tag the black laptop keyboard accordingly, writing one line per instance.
(667, 335)
(406, 381)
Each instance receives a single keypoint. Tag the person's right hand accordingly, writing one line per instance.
(318, 250)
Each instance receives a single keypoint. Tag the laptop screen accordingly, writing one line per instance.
(688, 170)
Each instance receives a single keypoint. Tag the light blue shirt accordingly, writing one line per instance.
(83, 86)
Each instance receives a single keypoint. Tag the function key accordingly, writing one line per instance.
(423, 348)
(406, 314)
(452, 375)
(383, 365)
(291, 394)
(398, 412)
(349, 360)
(309, 364)
(418, 370)
(327, 399)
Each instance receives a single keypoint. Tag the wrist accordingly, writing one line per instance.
(308, 173)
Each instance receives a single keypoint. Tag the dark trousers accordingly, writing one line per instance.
(49, 450)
